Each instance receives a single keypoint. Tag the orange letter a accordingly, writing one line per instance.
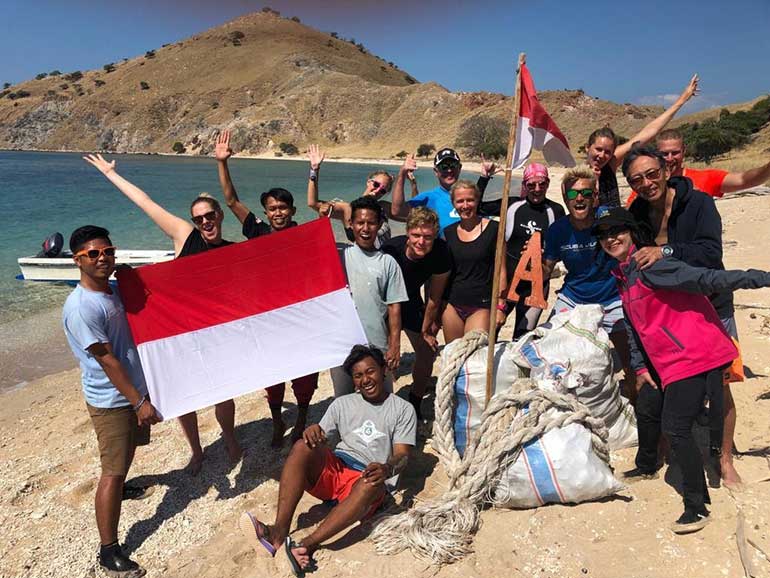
(530, 268)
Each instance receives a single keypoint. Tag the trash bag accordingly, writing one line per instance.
(574, 350)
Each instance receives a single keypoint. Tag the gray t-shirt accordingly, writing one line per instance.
(91, 317)
(368, 431)
(376, 281)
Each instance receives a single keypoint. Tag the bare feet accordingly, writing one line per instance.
(279, 428)
(302, 555)
(730, 477)
(234, 451)
(195, 464)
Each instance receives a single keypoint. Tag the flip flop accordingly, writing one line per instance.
(295, 567)
(252, 528)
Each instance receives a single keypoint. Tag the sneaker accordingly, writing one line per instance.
(690, 522)
(116, 564)
(639, 474)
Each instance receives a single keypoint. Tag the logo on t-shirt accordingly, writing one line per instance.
(531, 227)
(454, 214)
(368, 432)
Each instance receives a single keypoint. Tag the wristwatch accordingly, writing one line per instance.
(667, 250)
(313, 174)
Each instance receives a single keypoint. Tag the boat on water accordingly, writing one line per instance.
(63, 268)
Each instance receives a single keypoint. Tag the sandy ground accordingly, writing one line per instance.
(188, 527)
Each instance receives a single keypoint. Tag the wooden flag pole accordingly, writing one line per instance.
(500, 248)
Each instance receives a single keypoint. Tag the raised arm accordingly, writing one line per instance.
(413, 183)
(332, 209)
(398, 206)
(652, 129)
(222, 152)
(174, 227)
(734, 182)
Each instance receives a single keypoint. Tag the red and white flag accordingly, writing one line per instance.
(537, 130)
(219, 324)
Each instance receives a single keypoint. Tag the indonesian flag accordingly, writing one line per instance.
(219, 324)
(537, 130)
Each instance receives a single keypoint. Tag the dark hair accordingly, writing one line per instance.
(641, 235)
(360, 352)
(367, 202)
(642, 151)
(604, 132)
(279, 195)
(82, 235)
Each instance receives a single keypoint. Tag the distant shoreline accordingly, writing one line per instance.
(472, 166)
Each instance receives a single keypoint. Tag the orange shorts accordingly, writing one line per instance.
(336, 482)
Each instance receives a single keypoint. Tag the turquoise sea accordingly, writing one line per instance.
(49, 192)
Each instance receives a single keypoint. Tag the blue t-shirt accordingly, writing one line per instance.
(437, 199)
(588, 277)
(94, 317)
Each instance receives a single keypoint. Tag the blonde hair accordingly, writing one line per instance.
(206, 198)
(383, 173)
(574, 175)
(422, 217)
(467, 185)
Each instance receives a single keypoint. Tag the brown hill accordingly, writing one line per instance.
(269, 80)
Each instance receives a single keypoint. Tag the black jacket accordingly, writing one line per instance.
(694, 233)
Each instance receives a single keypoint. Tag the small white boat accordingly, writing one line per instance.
(63, 268)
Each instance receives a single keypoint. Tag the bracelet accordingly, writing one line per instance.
(502, 308)
(140, 403)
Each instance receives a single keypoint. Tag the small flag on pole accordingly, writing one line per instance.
(537, 130)
(219, 324)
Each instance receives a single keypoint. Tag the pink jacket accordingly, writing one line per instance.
(673, 326)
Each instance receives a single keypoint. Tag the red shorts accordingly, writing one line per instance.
(336, 482)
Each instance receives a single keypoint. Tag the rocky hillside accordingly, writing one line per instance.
(270, 80)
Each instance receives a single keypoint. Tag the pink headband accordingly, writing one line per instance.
(532, 171)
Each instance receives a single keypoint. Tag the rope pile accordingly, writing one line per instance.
(441, 530)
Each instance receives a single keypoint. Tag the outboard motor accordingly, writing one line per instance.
(52, 246)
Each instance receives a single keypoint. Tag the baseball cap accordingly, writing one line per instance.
(607, 217)
(445, 155)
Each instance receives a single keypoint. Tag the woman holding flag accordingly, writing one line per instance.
(189, 238)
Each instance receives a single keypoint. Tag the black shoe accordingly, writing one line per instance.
(639, 474)
(691, 522)
(116, 564)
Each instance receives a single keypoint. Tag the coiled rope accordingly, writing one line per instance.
(441, 530)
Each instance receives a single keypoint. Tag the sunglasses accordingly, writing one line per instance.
(448, 167)
(377, 185)
(210, 216)
(611, 232)
(651, 175)
(94, 254)
(572, 194)
(533, 186)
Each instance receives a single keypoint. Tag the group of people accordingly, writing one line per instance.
(640, 265)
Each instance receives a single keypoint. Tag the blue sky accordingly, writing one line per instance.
(642, 52)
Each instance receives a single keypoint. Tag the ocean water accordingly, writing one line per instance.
(49, 192)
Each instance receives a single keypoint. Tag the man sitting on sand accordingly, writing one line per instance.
(113, 384)
(377, 431)
(422, 257)
(279, 209)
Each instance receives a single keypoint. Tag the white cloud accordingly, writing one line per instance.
(699, 102)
